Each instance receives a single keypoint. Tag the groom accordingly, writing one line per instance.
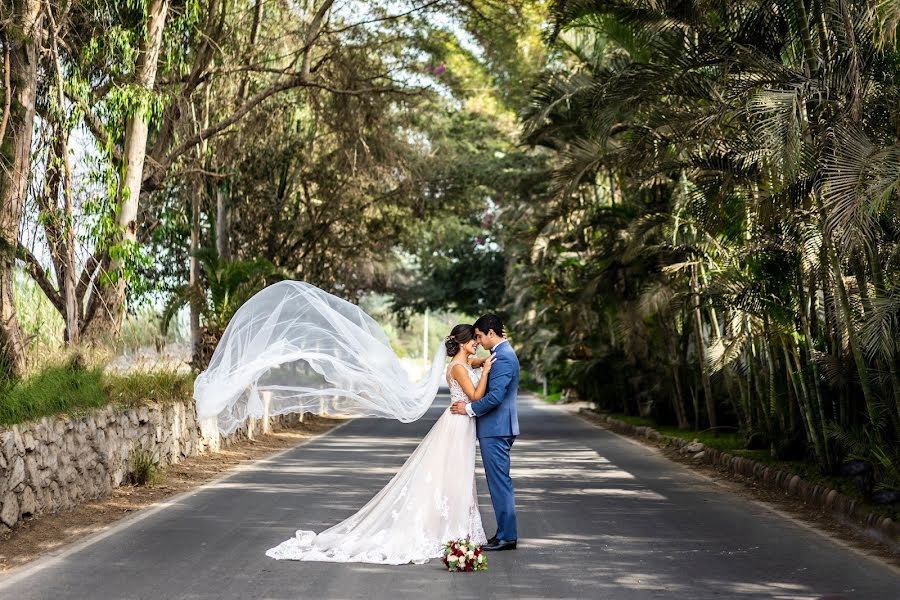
(497, 425)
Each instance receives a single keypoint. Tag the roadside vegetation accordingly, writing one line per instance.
(718, 250)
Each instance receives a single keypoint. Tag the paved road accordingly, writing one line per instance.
(599, 516)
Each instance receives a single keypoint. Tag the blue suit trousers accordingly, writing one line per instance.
(495, 456)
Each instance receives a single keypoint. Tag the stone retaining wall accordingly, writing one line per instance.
(58, 462)
(830, 500)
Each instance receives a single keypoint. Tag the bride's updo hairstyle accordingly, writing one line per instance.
(459, 335)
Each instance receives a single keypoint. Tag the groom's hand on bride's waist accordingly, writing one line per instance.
(458, 408)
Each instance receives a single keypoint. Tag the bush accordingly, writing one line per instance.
(143, 468)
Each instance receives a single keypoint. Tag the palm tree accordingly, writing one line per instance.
(749, 151)
(229, 284)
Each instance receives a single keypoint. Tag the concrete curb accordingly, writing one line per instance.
(829, 500)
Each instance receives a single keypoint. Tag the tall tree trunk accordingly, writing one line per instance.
(223, 247)
(198, 351)
(223, 224)
(831, 328)
(815, 429)
(136, 129)
(701, 351)
(22, 42)
(821, 32)
(879, 288)
(755, 385)
(59, 234)
(194, 281)
(774, 403)
(678, 399)
(806, 309)
(64, 257)
(862, 369)
(254, 36)
(809, 51)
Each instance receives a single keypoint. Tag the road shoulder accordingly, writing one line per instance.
(844, 533)
(52, 536)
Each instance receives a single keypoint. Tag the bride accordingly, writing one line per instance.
(432, 498)
(294, 348)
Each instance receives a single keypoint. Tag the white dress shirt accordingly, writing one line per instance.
(469, 410)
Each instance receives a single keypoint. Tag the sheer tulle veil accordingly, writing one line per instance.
(296, 348)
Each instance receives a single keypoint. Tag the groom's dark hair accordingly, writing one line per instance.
(487, 322)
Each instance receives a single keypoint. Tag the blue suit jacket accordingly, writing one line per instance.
(496, 412)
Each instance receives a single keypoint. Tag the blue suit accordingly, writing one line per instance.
(497, 425)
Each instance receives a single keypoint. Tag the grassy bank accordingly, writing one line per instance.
(75, 390)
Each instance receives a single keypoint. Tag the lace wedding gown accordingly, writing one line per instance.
(431, 500)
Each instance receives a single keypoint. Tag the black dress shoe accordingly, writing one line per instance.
(499, 545)
(492, 540)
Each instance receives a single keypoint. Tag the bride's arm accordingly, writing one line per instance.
(477, 363)
(458, 372)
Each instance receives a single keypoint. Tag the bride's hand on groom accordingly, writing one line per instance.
(486, 366)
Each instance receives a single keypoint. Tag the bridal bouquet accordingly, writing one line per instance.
(464, 555)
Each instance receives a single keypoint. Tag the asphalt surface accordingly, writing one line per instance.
(600, 516)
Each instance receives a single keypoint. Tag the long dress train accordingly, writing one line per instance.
(431, 500)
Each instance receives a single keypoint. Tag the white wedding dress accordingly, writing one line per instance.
(431, 500)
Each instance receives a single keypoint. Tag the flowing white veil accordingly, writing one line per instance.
(296, 348)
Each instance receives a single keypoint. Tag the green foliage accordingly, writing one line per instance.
(55, 390)
(553, 398)
(735, 444)
(143, 468)
(73, 388)
(716, 249)
(464, 274)
(40, 321)
(455, 251)
(329, 178)
(865, 444)
(228, 285)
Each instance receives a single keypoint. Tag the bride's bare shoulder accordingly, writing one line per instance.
(458, 368)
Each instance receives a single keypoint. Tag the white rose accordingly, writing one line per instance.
(481, 558)
(453, 558)
(470, 554)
